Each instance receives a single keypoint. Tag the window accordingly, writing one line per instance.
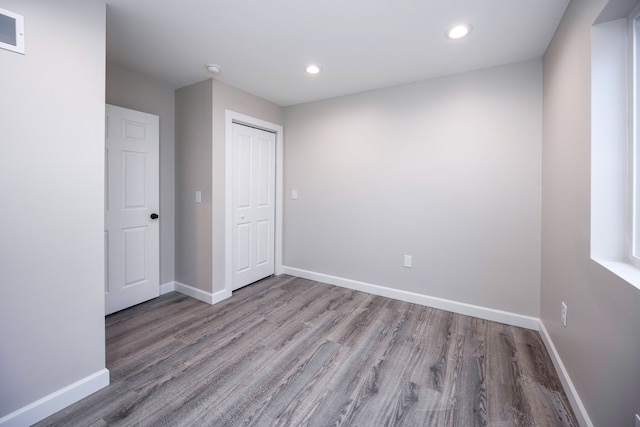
(615, 185)
(634, 136)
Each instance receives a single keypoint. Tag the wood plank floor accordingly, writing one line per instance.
(291, 352)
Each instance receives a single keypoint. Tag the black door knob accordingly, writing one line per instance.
(154, 216)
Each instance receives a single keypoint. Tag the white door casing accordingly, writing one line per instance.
(132, 234)
(253, 198)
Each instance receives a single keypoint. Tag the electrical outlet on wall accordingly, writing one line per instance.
(563, 315)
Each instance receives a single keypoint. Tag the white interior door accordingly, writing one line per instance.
(253, 243)
(132, 229)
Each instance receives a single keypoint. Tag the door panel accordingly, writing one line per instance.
(133, 180)
(135, 255)
(244, 172)
(244, 247)
(132, 238)
(253, 205)
(262, 244)
(133, 130)
(264, 187)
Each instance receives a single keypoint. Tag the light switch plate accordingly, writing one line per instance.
(294, 194)
(408, 261)
(198, 196)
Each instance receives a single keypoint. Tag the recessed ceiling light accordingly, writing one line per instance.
(313, 69)
(459, 31)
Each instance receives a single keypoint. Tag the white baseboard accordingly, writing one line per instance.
(56, 401)
(165, 288)
(199, 294)
(429, 301)
(567, 384)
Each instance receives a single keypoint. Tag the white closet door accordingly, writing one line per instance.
(253, 204)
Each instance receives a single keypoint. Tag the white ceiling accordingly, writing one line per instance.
(264, 46)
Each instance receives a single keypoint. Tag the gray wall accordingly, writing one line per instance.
(200, 128)
(446, 170)
(52, 215)
(600, 347)
(194, 117)
(138, 92)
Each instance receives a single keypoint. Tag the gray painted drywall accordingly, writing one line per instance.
(194, 116)
(138, 92)
(227, 97)
(200, 128)
(52, 215)
(600, 347)
(446, 170)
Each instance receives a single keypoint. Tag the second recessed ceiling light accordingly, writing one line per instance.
(313, 69)
(459, 31)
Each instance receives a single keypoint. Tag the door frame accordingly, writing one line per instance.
(231, 117)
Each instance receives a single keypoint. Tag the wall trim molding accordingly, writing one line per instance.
(165, 288)
(567, 384)
(56, 401)
(492, 314)
(199, 294)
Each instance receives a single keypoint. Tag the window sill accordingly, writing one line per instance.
(624, 270)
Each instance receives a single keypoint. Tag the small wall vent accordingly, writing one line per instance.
(11, 31)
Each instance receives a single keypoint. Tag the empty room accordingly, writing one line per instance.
(319, 213)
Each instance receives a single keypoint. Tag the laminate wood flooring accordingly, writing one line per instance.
(287, 351)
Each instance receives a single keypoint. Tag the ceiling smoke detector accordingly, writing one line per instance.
(214, 68)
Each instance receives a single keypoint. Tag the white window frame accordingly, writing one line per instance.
(634, 137)
(612, 190)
